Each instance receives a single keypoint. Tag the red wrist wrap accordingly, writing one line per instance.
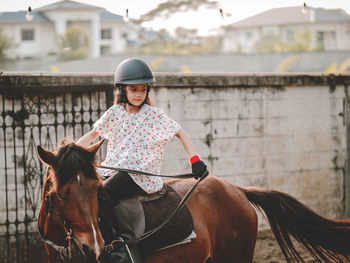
(194, 159)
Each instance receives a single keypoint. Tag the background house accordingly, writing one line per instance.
(322, 29)
(108, 33)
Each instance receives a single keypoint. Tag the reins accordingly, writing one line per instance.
(181, 176)
(119, 242)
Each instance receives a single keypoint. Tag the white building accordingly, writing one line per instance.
(108, 33)
(329, 29)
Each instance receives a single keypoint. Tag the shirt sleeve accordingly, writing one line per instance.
(102, 125)
(168, 126)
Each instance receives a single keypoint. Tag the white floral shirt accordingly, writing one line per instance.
(136, 141)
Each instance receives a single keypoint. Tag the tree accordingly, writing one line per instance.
(295, 41)
(5, 44)
(74, 44)
(300, 42)
(269, 43)
(171, 7)
(185, 42)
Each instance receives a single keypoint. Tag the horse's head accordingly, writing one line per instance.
(72, 170)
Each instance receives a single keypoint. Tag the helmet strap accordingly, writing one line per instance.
(122, 90)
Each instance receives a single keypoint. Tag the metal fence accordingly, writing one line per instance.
(29, 117)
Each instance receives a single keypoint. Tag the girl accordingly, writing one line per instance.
(137, 133)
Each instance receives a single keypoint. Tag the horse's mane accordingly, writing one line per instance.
(72, 159)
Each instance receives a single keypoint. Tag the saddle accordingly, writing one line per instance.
(146, 212)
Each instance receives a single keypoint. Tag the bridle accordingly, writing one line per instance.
(65, 252)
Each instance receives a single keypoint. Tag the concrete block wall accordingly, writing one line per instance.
(288, 138)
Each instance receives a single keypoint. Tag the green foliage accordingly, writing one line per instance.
(5, 44)
(169, 8)
(74, 44)
(269, 44)
(185, 42)
(299, 42)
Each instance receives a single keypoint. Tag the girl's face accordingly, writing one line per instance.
(136, 94)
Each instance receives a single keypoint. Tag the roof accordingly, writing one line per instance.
(108, 16)
(19, 16)
(38, 14)
(66, 4)
(293, 15)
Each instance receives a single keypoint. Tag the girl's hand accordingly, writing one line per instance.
(199, 169)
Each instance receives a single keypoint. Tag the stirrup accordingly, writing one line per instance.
(119, 243)
(129, 253)
(114, 245)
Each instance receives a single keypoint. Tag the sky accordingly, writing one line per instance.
(204, 20)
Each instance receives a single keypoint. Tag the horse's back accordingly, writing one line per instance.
(224, 221)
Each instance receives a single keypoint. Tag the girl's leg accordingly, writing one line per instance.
(121, 186)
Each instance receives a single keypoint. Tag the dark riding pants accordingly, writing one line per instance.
(120, 186)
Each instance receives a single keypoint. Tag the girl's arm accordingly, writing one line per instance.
(88, 138)
(186, 142)
(199, 168)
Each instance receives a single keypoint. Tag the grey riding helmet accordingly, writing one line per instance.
(133, 71)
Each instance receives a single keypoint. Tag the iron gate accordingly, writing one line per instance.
(30, 117)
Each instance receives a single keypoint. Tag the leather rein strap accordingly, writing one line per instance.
(181, 176)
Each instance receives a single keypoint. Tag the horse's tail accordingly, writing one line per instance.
(325, 239)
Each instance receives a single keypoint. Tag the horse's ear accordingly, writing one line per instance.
(94, 148)
(46, 156)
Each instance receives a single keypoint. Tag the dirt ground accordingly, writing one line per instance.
(268, 251)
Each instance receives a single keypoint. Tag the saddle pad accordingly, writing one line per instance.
(156, 212)
(186, 240)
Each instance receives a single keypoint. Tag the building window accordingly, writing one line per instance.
(106, 33)
(290, 36)
(320, 40)
(27, 34)
(125, 35)
(270, 30)
(105, 50)
(248, 35)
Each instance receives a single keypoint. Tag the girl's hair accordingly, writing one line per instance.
(119, 100)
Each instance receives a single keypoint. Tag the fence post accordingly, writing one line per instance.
(347, 164)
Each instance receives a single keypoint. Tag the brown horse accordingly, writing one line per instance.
(224, 219)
